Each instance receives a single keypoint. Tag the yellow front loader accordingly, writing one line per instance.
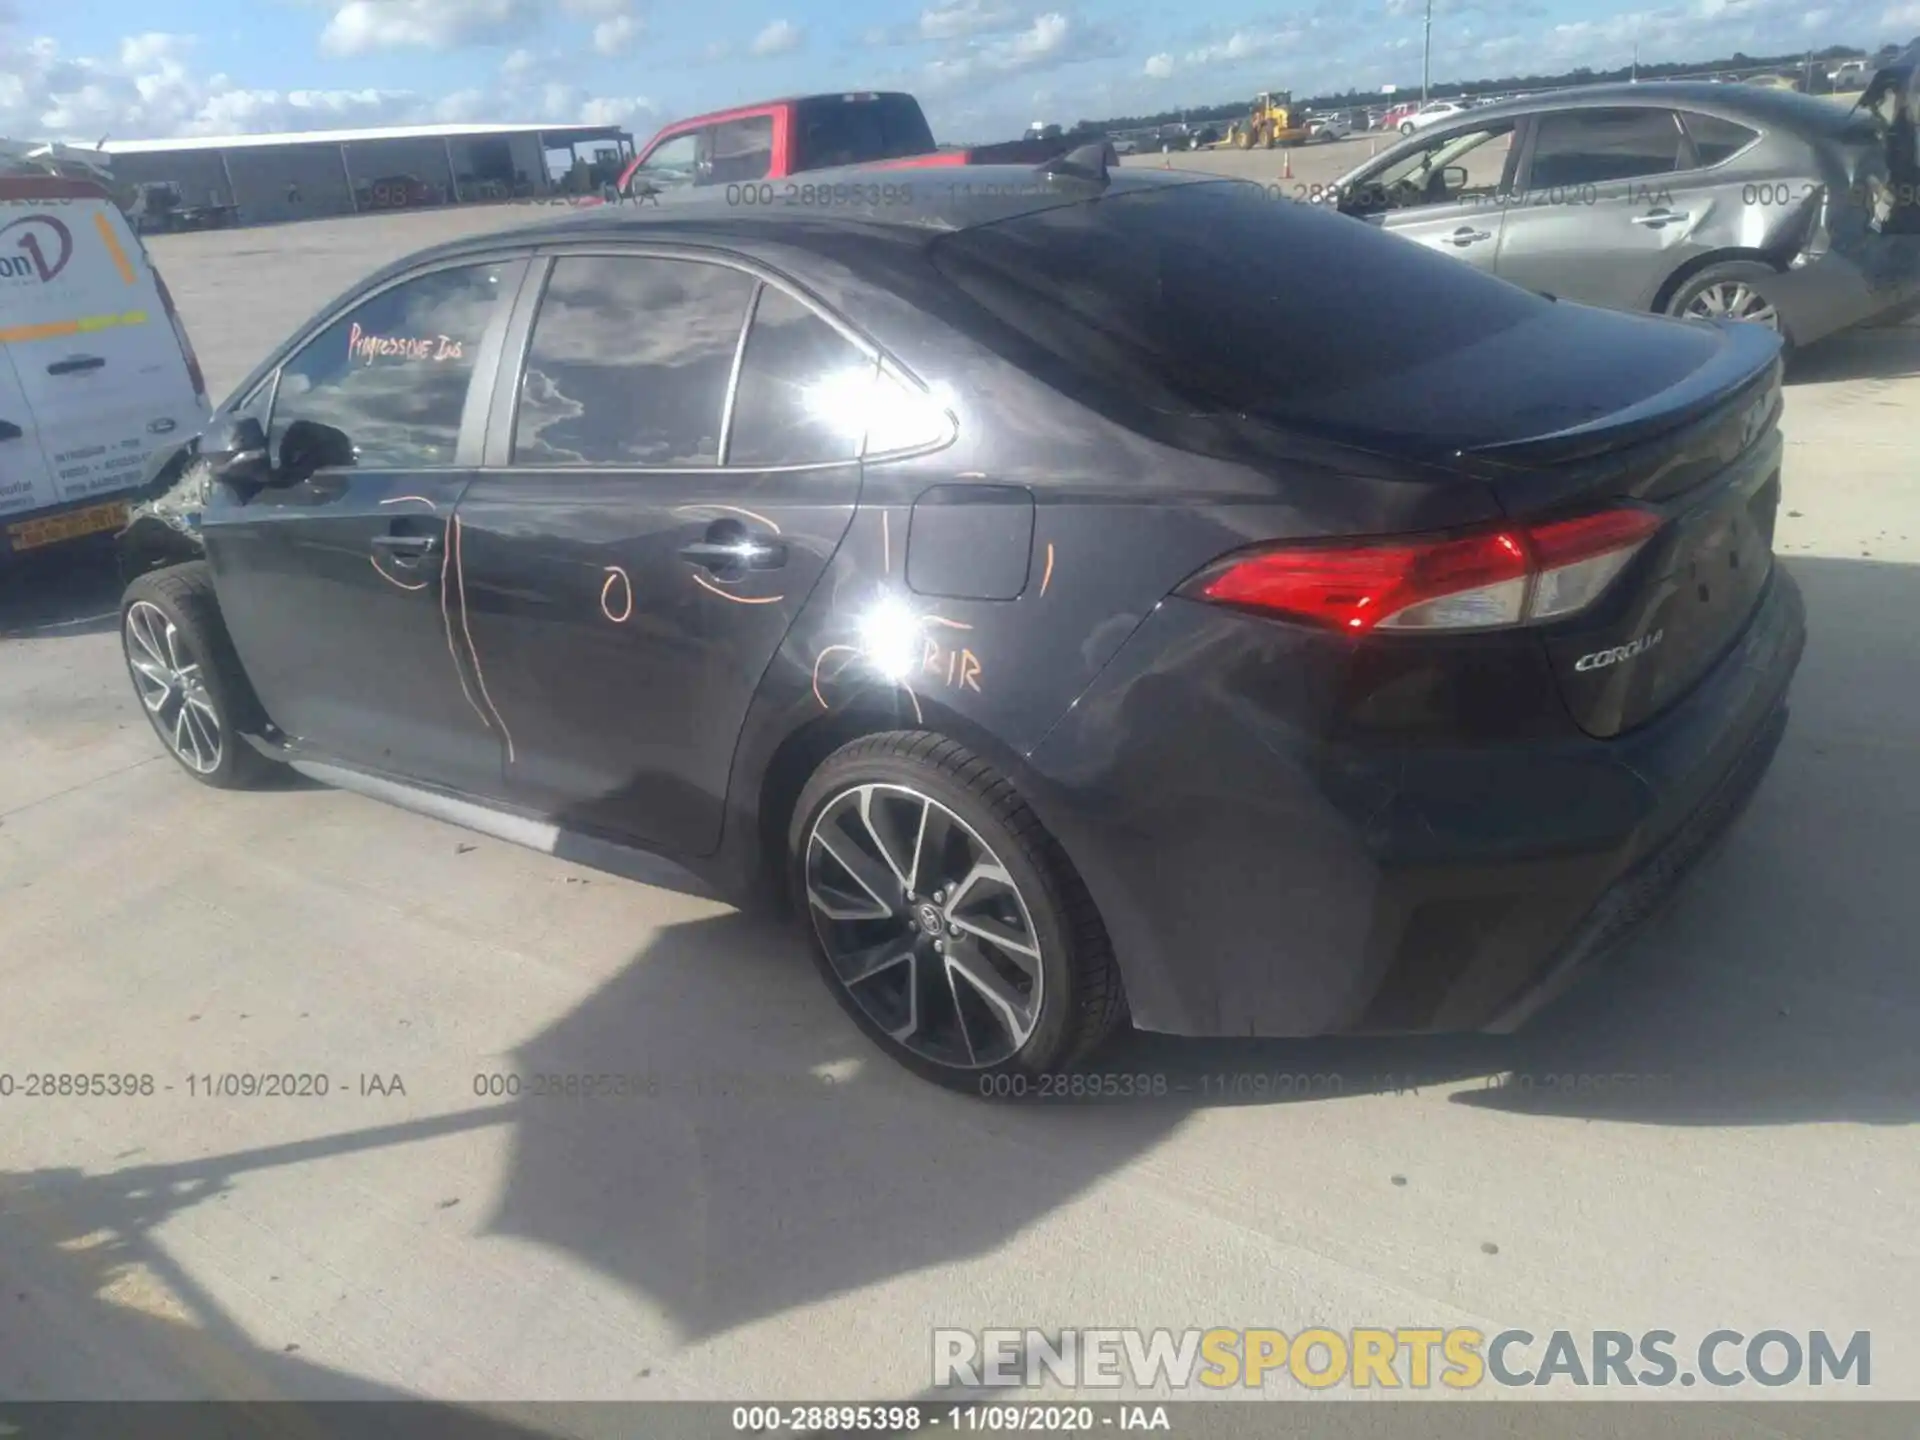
(1272, 122)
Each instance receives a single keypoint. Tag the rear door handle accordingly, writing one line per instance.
(411, 547)
(1467, 235)
(743, 554)
(76, 363)
(1654, 219)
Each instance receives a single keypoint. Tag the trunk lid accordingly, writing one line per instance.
(1704, 454)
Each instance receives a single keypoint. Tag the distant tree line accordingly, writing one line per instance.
(1736, 64)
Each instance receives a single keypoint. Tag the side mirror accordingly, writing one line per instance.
(1454, 177)
(309, 446)
(235, 452)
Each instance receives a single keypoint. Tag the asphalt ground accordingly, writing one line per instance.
(1714, 1133)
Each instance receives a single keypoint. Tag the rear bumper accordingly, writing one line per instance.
(1842, 289)
(1256, 881)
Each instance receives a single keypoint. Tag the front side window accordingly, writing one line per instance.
(670, 163)
(392, 374)
(628, 363)
(1452, 169)
(1593, 147)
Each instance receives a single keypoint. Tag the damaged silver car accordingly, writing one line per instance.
(1680, 198)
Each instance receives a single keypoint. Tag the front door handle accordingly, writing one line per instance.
(746, 553)
(74, 363)
(1654, 219)
(1467, 235)
(408, 547)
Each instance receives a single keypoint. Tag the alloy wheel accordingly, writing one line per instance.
(923, 926)
(1733, 300)
(173, 687)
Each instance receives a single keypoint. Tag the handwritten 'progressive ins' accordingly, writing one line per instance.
(369, 348)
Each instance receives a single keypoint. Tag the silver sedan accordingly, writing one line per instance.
(1683, 198)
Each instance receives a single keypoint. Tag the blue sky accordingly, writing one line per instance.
(984, 68)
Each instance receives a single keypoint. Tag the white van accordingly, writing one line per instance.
(96, 371)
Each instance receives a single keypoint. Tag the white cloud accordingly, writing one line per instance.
(617, 35)
(361, 27)
(1158, 67)
(149, 89)
(1051, 40)
(781, 37)
(962, 18)
(594, 9)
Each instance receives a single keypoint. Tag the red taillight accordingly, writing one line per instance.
(194, 372)
(1484, 580)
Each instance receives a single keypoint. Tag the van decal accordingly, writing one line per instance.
(86, 325)
(120, 261)
(38, 234)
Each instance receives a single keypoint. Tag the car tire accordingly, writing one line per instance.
(1730, 282)
(187, 676)
(1406, 127)
(878, 827)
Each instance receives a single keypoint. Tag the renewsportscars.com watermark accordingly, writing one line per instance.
(1398, 1359)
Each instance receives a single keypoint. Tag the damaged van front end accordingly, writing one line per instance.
(163, 521)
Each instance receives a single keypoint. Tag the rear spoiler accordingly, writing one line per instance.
(1749, 358)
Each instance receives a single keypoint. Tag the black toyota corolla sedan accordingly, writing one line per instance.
(1085, 598)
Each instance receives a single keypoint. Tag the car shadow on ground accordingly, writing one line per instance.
(71, 589)
(760, 1156)
(1874, 352)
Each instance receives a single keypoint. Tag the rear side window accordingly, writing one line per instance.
(1592, 147)
(1213, 298)
(1715, 139)
(392, 374)
(740, 150)
(629, 362)
(832, 130)
(804, 389)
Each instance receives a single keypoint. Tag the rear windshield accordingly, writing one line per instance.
(1215, 297)
(849, 130)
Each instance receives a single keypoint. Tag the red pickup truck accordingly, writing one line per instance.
(778, 138)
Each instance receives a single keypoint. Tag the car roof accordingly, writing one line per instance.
(781, 102)
(916, 205)
(1779, 109)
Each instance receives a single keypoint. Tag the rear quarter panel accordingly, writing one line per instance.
(1106, 520)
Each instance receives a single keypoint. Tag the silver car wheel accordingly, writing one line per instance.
(173, 688)
(923, 926)
(1732, 300)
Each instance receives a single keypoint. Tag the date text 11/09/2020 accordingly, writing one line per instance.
(229, 1085)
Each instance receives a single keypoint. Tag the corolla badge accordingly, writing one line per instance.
(1601, 659)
